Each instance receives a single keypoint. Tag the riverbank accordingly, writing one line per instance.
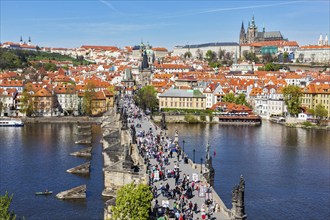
(64, 119)
(296, 123)
(191, 119)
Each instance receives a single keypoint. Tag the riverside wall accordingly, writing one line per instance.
(197, 119)
(64, 119)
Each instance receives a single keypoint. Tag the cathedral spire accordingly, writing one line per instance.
(242, 34)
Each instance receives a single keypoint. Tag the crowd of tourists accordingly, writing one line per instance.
(158, 150)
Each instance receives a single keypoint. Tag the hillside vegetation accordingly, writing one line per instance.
(13, 59)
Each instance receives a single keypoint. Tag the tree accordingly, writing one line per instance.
(240, 99)
(272, 67)
(133, 202)
(147, 98)
(187, 55)
(56, 106)
(250, 56)
(221, 54)
(26, 104)
(9, 60)
(112, 89)
(267, 58)
(210, 56)
(5, 213)
(285, 57)
(319, 112)
(199, 54)
(230, 97)
(87, 98)
(292, 95)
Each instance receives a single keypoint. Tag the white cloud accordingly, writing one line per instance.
(232, 9)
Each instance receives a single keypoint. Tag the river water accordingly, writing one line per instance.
(286, 169)
(35, 157)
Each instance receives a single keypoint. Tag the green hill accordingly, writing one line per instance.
(13, 59)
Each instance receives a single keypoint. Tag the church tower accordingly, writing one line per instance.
(242, 35)
(29, 42)
(326, 41)
(21, 41)
(320, 42)
(252, 31)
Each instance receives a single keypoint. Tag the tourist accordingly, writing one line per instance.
(177, 215)
(203, 213)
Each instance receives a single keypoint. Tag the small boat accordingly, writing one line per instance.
(10, 123)
(45, 193)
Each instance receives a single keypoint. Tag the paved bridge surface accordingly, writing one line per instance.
(185, 168)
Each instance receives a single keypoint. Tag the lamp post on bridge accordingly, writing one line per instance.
(194, 155)
(183, 149)
(201, 165)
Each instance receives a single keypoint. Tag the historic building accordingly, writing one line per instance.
(316, 93)
(144, 54)
(252, 34)
(319, 53)
(20, 46)
(200, 50)
(182, 99)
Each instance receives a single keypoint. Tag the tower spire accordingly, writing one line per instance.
(320, 43)
(326, 41)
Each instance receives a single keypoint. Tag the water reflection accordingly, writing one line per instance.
(286, 169)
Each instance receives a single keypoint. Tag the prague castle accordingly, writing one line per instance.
(252, 35)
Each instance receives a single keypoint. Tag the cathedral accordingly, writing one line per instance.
(252, 35)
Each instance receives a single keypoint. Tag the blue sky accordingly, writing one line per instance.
(72, 23)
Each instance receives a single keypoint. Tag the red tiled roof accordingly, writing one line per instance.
(113, 48)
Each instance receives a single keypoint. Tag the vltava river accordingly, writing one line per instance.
(286, 170)
(35, 157)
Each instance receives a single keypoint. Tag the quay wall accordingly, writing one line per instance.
(64, 119)
(208, 119)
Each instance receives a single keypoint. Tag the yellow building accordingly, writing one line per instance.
(182, 99)
(99, 103)
(315, 94)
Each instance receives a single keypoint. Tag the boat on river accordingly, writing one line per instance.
(11, 122)
(45, 193)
